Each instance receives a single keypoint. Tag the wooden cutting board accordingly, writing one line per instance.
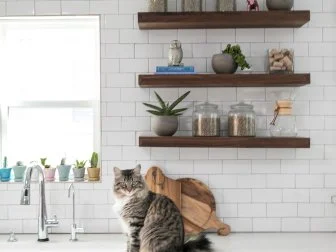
(193, 198)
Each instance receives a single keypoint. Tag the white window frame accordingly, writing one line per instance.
(94, 104)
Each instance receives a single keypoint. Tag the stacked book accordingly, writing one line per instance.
(175, 70)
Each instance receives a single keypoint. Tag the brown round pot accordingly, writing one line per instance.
(94, 174)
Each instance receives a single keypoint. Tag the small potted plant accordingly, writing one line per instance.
(49, 172)
(19, 170)
(63, 170)
(79, 170)
(93, 170)
(229, 60)
(5, 172)
(165, 121)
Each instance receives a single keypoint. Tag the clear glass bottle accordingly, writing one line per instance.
(157, 5)
(206, 120)
(242, 120)
(226, 5)
(283, 123)
(191, 5)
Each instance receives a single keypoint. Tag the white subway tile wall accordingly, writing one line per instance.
(257, 190)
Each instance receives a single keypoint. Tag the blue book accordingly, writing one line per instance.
(180, 73)
(175, 69)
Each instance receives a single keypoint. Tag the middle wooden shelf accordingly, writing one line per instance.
(223, 80)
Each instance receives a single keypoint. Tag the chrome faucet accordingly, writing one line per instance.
(43, 223)
(74, 228)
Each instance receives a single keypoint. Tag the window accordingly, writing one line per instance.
(49, 88)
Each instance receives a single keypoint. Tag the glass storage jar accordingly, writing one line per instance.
(206, 120)
(242, 120)
(191, 5)
(226, 5)
(157, 5)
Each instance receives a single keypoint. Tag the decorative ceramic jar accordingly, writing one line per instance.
(93, 174)
(19, 171)
(242, 120)
(279, 4)
(175, 53)
(5, 174)
(49, 174)
(79, 174)
(165, 125)
(63, 172)
(206, 120)
(191, 5)
(224, 63)
(226, 5)
(157, 5)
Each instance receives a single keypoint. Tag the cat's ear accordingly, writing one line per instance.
(137, 169)
(117, 172)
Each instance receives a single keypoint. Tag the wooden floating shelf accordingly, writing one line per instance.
(225, 142)
(229, 19)
(223, 80)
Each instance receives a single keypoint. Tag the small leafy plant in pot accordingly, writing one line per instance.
(165, 121)
(94, 170)
(63, 170)
(79, 170)
(19, 170)
(5, 172)
(49, 172)
(229, 60)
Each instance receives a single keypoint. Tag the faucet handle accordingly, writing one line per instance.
(80, 229)
(52, 222)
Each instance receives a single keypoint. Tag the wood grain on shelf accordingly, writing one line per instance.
(223, 80)
(225, 142)
(230, 19)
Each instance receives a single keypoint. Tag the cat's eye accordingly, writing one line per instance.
(135, 183)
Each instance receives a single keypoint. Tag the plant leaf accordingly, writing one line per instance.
(153, 106)
(160, 100)
(178, 110)
(153, 112)
(181, 98)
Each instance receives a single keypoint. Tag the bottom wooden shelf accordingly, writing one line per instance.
(225, 142)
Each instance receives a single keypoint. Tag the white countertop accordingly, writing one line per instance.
(262, 242)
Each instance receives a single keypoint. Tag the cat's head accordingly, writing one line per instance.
(128, 182)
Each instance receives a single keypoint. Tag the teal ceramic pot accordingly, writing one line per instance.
(5, 174)
(63, 172)
(78, 174)
(19, 172)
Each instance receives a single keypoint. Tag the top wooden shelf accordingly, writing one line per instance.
(216, 20)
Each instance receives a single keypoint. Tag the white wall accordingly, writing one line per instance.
(256, 189)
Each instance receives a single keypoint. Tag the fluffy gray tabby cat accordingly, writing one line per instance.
(151, 221)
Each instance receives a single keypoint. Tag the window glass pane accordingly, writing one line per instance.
(54, 58)
(50, 132)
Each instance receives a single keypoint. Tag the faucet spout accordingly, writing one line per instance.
(43, 222)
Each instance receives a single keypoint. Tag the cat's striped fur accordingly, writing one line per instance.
(152, 221)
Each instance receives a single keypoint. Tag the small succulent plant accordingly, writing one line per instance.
(167, 109)
(80, 164)
(5, 162)
(94, 160)
(63, 160)
(237, 55)
(19, 163)
(44, 163)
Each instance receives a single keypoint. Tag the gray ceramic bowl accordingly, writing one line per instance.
(223, 63)
(165, 125)
(279, 4)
